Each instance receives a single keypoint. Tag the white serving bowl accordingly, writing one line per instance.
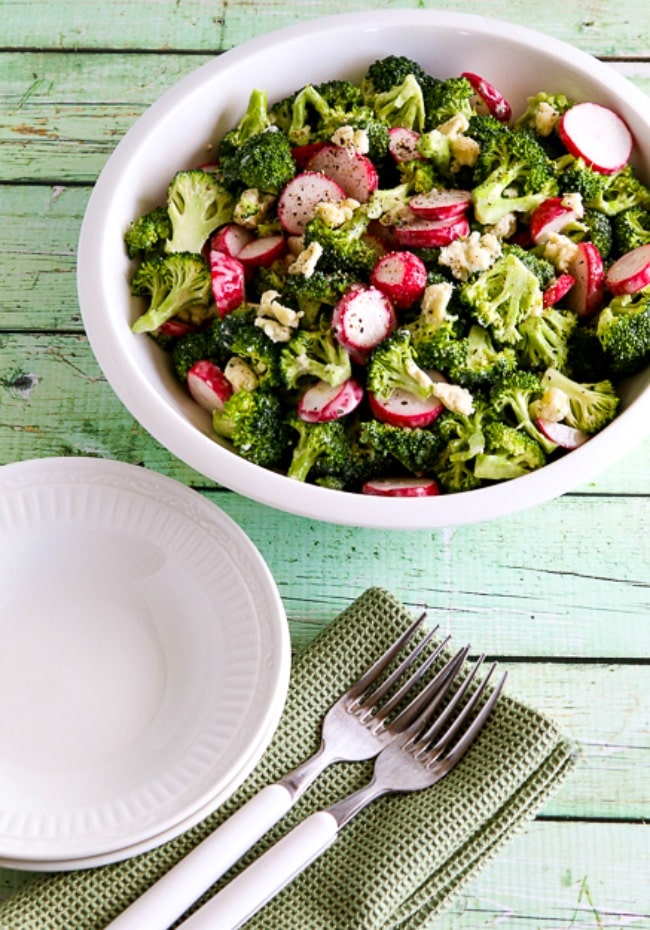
(176, 133)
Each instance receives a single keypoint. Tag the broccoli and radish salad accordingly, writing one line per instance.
(398, 286)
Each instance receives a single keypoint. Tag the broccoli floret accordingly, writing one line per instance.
(545, 339)
(255, 120)
(315, 354)
(513, 174)
(148, 233)
(444, 99)
(341, 95)
(260, 353)
(253, 421)
(264, 163)
(586, 360)
(177, 285)
(418, 175)
(631, 229)
(591, 406)
(509, 453)
(416, 450)
(463, 439)
(609, 193)
(543, 270)
(502, 297)
(401, 105)
(187, 350)
(543, 112)
(436, 333)
(197, 203)
(595, 227)
(375, 129)
(513, 396)
(482, 363)
(389, 72)
(325, 443)
(393, 366)
(344, 248)
(623, 330)
(311, 293)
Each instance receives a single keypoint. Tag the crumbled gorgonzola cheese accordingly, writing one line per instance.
(546, 119)
(560, 251)
(455, 398)
(574, 202)
(553, 405)
(464, 256)
(354, 141)
(434, 303)
(336, 212)
(277, 321)
(252, 208)
(306, 261)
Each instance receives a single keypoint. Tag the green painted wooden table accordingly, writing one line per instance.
(558, 593)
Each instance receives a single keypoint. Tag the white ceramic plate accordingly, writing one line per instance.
(174, 133)
(144, 660)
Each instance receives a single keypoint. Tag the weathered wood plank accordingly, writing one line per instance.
(603, 28)
(559, 875)
(55, 131)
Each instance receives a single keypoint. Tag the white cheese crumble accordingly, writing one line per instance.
(464, 256)
(455, 398)
(434, 303)
(546, 119)
(553, 405)
(276, 320)
(306, 261)
(354, 141)
(505, 228)
(252, 208)
(560, 251)
(574, 202)
(336, 212)
(241, 376)
(465, 152)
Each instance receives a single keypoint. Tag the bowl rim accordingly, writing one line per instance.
(208, 457)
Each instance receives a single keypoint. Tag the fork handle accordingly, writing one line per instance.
(178, 889)
(249, 891)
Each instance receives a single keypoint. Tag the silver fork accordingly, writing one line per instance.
(423, 753)
(365, 719)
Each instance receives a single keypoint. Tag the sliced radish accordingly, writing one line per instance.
(322, 402)
(556, 291)
(175, 328)
(566, 437)
(208, 385)
(597, 135)
(231, 239)
(228, 281)
(586, 268)
(431, 234)
(402, 276)
(363, 318)
(401, 487)
(355, 173)
(402, 408)
(551, 216)
(403, 144)
(631, 272)
(440, 204)
(302, 153)
(299, 198)
(493, 99)
(263, 251)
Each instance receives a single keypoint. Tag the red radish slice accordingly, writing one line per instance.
(363, 318)
(560, 287)
(597, 135)
(440, 204)
(493, 99)
(175, 328)
(586, 296)
(302, 153)
(405, 409)
(401, 487)
(402, 276)
(262, 251)
(298, 200)
(631, 272)
(566, 437)
(208, 385)
(228, 281)
(549, 217)
(355, 173)
(431, 234)
(403, 144)
(231, 239)
(322, 402)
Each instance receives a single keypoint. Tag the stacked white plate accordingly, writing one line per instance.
(144, 661)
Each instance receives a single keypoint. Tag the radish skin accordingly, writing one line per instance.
(322, 402)
(228, 278)
(493, 99)
(263, 251)
(586, 296)
(559, 289)
(363, 318)
(355, 173)
(550, 217)
(298, 201)
(401, 487)
(405, 409)
(231, 239)
(566, 437)
(403, 144)
(208, 385)
(402, 276)
(440, 204)
(431, 234)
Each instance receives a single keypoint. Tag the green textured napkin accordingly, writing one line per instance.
(401, 862)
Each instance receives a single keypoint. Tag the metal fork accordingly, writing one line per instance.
(365, 719)
(419, 757)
